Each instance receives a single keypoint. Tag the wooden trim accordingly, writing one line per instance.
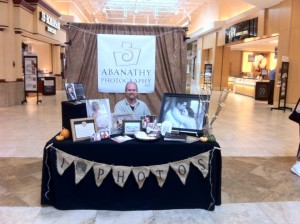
(45, 6)
(2, 80)
(24, 4)
(19, 80)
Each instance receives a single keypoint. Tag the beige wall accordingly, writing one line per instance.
(43, 51)
(232, 8)
(220, 10)
(19, 24)
(284, 19)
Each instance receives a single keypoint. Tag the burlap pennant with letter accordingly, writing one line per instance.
(161, 172)
(82, 166)
(63, 161)
(182, 169)
(141, 173)
(201, 161)
(120, 174)
(101, 170)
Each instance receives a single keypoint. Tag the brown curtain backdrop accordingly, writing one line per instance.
(170, 61)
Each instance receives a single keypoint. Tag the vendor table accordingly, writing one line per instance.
(61, 191)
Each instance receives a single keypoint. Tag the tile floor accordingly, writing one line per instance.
(258, 148)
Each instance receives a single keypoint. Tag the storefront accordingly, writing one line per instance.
(29, 29)
(258, 58)
(234, 52)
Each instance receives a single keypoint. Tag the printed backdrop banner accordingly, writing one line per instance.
(124, 58)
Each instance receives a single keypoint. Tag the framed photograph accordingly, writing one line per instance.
(264, 72)
(251, 58)
(99, 109)
(117, 121)
(186, 112)
(82, 128)
(131, 127)
(146, 119)
(75, 91)
(70, 91)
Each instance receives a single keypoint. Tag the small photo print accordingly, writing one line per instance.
(146, 119)
(118, 120)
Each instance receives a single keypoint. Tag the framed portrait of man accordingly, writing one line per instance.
(186, 112)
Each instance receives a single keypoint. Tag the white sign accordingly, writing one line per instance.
(124, 58)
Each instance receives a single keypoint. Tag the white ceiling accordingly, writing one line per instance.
(143, 12)
(157, 12)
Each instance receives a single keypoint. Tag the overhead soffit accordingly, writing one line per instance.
(261, 45)
(263, 4)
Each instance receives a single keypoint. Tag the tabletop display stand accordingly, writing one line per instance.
(31, 77)
(283, 87)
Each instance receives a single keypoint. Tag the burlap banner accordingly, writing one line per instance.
(82, 166)
(64, 160)
(182, 169)
(201, 161)
(161, 172)
(141, 173)
(101, 171)
(120, 174)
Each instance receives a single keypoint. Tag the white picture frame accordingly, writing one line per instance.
(99, 109)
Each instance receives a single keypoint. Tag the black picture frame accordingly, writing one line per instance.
(184, 119)
(77, 89)
(131, 127)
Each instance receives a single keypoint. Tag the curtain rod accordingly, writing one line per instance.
(185, 29)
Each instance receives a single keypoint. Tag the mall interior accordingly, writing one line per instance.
(258, 141)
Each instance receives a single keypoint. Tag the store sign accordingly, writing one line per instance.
(53, 23)
(241, 31)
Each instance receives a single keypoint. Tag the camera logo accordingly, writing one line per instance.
(127, 55)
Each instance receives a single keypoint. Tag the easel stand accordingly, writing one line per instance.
(284, 71)
(37, 98)
(31, 77)
(281, 107)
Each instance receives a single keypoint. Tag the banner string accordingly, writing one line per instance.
(48, 168)
(210, 177)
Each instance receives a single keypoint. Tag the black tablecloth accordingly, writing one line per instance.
(198, 192)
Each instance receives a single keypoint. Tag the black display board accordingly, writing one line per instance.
(283, 84)
(262, 90)
(48, 85)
